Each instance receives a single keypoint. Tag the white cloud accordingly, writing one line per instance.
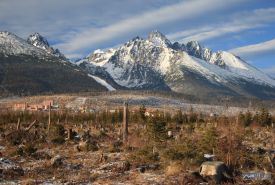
(62, 19)
(249, 51)
(237, 23)
(183, 11)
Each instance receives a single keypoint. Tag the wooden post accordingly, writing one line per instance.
(70, 134)
(49, 121)
(18, 124)
(125, 123)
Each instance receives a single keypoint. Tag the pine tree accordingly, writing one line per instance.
(178, 118)
(245, 119)
(157, 129)
(142, 111)
(265, 118)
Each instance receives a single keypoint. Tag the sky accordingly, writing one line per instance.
(78, 27)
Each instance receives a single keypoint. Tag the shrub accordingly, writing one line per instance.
(145, 155)
(29, 149)
(20, 136)
(19, 151)
(56, 134)
(115, 146)
(172, 154)
(88, 146)
(245, 119)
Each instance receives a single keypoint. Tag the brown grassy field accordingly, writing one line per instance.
(165, 146)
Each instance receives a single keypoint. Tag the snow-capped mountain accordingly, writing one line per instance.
(157, 64)
(30, 68)
(10, 44)
(154, 63)
(36, 45)
(158, 39)
(39, 41)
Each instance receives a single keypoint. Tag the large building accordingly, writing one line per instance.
(45, 105)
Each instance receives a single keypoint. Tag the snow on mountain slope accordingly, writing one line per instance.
(39, 41)
(142, 63)
(11, 44)
(158, 39)
(36, 45)
(132, 65)
(26, 69)
(102, 82)
(241, 69)
(100, 57)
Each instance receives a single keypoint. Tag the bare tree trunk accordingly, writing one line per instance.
(70, 137)
(18, 124)
(125, 123)
(49, 121)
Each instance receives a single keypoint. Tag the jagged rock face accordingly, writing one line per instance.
(10, 44)
(196, 50)
(131, 66)
(156, 63)
(217, 59)
(39, 41)
(35, 45)
(158, 39)
(178, 47)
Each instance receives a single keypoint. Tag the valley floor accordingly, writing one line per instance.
(83, 144)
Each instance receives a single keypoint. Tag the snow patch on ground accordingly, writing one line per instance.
(102, 82)
(78, 102)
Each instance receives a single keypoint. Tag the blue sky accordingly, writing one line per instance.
(77, 27)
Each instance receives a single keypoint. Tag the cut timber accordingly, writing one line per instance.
(17, 137)
(30, 126)
(125, 123)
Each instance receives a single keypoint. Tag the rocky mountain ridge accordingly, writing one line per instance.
(156, 63)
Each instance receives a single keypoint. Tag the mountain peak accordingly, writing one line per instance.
(158, 39)
(194, 48)
(194, 45)
(137, 38)
(11, 44)
(38, 40)
(5, 33)
(41, 42)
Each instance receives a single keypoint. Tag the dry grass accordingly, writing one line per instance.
(173, 156)
(174, 168)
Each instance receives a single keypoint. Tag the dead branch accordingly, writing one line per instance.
(30, 126)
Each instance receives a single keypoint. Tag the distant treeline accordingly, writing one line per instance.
(142, 116)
